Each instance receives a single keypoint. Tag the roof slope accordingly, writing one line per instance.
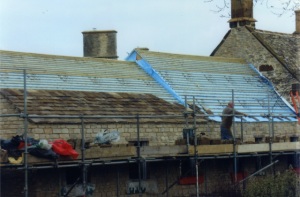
(261, 47)
(213, 82)
(82, 103)
(285, 46)
(48, 72)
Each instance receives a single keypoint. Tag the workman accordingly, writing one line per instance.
(227, 117)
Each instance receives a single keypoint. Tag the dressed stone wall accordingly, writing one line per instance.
(156, 133)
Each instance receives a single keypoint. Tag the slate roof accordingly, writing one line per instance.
(214, 81)
(91, 104)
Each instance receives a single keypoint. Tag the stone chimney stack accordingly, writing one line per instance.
(297, 15)
(241, 13)
(100, 44)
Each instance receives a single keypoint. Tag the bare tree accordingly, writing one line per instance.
(278, 7)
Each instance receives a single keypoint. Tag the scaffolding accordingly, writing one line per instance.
(85, 163)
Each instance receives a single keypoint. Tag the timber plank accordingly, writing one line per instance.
(113, 151)
(282, 146)
(212, 149)
(163, 150)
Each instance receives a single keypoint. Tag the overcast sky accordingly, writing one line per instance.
(175, 26)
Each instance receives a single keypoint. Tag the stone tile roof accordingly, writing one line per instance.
(87, 78)
(51, 72)
(76, 103)
(286, 49)
(285, 46)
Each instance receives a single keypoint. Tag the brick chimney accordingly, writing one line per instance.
(100, 44)
(241, 13)
(297, 15)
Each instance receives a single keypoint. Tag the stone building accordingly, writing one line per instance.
(161, 112)
(152, 100)
(276, 55)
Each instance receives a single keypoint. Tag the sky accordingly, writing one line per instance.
(175, 26)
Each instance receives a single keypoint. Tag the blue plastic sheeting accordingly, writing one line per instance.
(144, 65)
(150, 71)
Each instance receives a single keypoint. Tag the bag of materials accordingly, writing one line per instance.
(43, 144)
(62, 147)
(107, 137)
(43, 153)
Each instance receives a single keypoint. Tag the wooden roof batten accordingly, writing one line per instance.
(192, 77)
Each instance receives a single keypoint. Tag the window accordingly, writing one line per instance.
(188, 168)
(72, 175)
(265, 68)
(134, 171)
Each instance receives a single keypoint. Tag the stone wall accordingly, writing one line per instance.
(242, 44)
(9, 126)
(156, 134)
(248, 130)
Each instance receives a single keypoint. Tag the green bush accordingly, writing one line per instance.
(285, 184)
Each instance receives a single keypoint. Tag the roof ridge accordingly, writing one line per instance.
(50, 56)
(274, 32)
(194, 57)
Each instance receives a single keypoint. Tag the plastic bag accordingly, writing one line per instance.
(62, 147)
(13, 143)
(43, 153)
(43, 144)
(78, 190)
(107, 137)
